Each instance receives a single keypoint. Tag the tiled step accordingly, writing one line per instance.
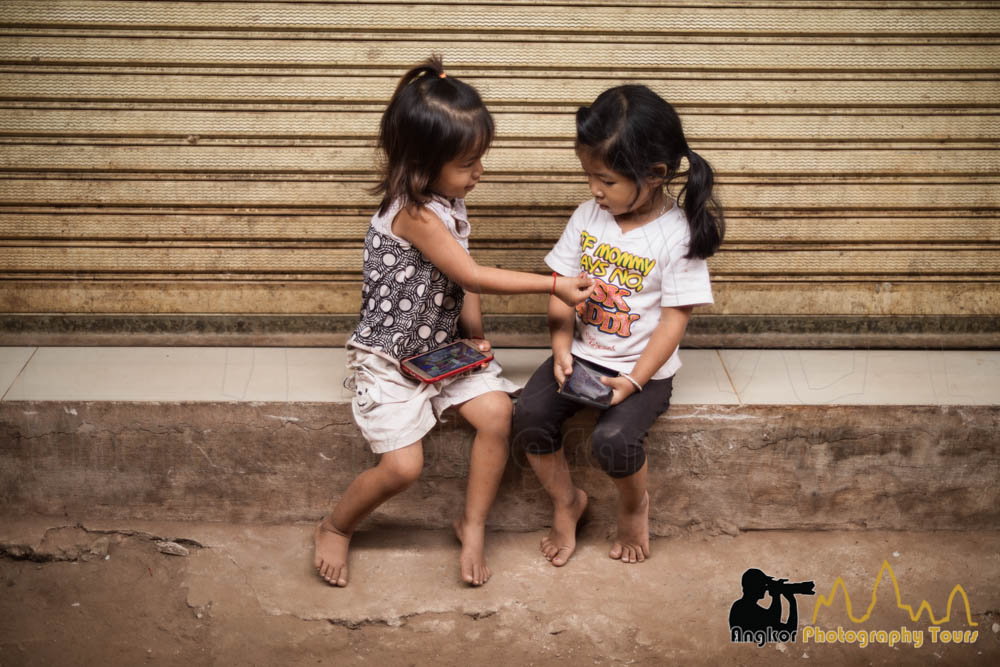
(721, 377)
(755, 439)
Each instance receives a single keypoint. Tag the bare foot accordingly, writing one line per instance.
(632, 543)
(473, 558)
(560, 543)
(331, 553)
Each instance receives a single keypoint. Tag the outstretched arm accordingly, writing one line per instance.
(420, 227)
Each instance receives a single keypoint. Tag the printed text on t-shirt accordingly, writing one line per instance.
(625, 268)
(607, 309)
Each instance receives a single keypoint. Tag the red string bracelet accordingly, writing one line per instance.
(554, 277)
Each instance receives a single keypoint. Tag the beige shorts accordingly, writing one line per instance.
(394, 411)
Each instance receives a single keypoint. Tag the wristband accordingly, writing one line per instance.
(638, 387)
(555, 276)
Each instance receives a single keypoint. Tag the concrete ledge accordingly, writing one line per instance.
(720, 468)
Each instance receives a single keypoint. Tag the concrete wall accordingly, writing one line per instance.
(714, 468)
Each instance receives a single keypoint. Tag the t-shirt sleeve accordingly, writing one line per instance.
(685, 281)
(564, 258)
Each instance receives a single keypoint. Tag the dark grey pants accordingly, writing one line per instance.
(617, 438)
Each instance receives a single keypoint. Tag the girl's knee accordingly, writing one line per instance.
(499, 407)
(500, 414)
(616, 453)
(533, 434)
(402, 467)
(529, 415)
(492, 414)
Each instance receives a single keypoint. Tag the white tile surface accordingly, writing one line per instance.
(181, 374)
(519, 363)
(899, 377)
(797, 376)
(12, 360)
(767, 377)
(965, 378)
(865, 377)
(284, 374)
(702, 380)
(122, 374)
(317, 374)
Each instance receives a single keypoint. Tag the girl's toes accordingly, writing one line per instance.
(561, 556)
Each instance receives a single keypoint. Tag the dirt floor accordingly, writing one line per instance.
(106, 593)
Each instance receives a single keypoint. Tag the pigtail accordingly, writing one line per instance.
(432, 68)
(638, 134)
(430, 119)
(705, 219)
(401, 181)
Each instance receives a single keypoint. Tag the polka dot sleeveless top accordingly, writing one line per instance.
(407, 306)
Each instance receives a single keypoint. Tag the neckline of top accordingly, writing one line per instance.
(623, 233)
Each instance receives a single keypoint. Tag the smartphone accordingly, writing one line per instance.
(459, 357)
(584, 384)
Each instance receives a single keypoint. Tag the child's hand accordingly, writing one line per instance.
(572, 291)
(621, 388)
(562, 366)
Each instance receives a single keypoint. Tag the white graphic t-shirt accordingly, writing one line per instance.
(637, 274)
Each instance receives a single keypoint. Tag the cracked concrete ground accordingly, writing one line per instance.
(102, 592)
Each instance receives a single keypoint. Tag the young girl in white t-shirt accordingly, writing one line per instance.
(421, 289)
(646, 251)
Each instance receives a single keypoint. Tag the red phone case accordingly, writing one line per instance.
(463, 369)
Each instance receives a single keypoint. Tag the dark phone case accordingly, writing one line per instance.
(584, 385)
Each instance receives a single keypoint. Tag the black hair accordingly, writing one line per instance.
(631, 129)
(430, 120)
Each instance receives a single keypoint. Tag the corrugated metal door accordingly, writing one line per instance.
(192, 160)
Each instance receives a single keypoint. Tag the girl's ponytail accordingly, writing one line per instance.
(432, 68)
(431, 119)
(705, 219)
(637, 133)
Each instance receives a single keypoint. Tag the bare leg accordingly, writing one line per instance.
(490, 415)
(568, 505)
(632, 543)
(395, 471)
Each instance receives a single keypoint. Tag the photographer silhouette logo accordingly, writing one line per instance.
(751, 623)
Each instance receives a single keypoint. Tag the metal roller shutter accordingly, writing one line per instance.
(210, 160)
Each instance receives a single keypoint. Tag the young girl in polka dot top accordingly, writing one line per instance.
(421, 290)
